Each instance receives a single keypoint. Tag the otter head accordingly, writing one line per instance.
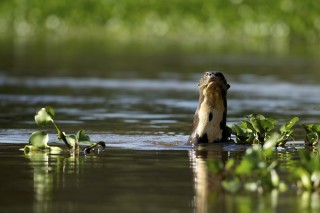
(209, 123)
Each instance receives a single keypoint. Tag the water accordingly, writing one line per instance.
(145, 120)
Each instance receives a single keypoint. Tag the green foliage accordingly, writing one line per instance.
(82, 137)
(255, 129)
(44, 116)
(307, 173)
(254, 172)
(197, 20)
(312, 134)
(39, 139)
(286, 131)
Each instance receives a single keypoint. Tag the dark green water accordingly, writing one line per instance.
(144, 115)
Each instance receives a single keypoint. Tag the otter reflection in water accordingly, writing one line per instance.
(203, 188)
(209, 123)
(209, 196)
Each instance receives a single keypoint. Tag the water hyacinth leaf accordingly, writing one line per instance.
(252, 160)
(247, 125)
(311, 128)
(229, 165)
(245, 167)
(282, 187)
(267, 124)
(270, 143)
(39, 139)
(275, 180)
(81, 136)
(306, 159)
(255, 124)
(316, 128)
(304, 178)
(261, 124)
(251, 186)
(315, 178)
(272, 165)
(312, 138)
(50, 111)
(232, 185)
(43, 117)
(258, 117)
(242, 133)
(307, 128)
(287, 126)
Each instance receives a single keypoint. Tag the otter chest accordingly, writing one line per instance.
(210, 116)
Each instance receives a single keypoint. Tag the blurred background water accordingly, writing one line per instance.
(127, 72)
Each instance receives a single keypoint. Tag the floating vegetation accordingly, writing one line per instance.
(38, 141)
(313, 132)
(257, 170)
(256, 129)
(254, 172)
(307, 173)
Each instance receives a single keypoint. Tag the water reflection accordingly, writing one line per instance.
(209, 196)
(117, 180)
(49, 174)
(205, 188)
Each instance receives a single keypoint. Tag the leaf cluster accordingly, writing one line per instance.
(39, 139)
(307, 173)
(253, 173)
(256, 129)
(312, 134)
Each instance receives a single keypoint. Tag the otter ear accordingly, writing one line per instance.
(228, 86)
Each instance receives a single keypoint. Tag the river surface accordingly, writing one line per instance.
(145, 119)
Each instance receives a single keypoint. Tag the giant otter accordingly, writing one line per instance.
(209, 123)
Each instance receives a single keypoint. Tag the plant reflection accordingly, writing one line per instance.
(49, 174)
(210, 197)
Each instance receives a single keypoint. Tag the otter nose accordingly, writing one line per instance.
(210, 74)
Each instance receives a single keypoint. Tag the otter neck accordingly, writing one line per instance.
(211, 118)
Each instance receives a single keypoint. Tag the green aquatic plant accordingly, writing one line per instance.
(286, 131)
(39, 139)
(256, 129)
(312, 134)
(307, 173)
(45, 116)
(254, 172)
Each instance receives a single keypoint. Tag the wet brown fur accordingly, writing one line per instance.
(213, 90)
